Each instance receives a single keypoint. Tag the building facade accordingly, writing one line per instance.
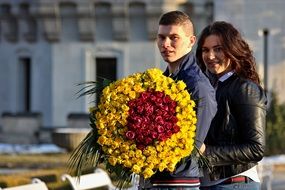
(48, 47)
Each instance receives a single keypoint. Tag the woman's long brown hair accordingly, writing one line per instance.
(235, 48)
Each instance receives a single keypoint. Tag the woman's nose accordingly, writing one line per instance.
(211, 54)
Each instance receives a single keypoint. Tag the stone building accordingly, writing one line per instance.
(47, 47)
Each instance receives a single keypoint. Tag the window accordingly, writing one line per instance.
(24, 84)
(106, 68)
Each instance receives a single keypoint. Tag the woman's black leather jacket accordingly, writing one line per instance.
(236, 139)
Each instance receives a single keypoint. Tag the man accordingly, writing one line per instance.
(175, 40)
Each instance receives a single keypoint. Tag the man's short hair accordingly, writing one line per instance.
(177, 18)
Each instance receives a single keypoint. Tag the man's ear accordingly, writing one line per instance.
(192, 41)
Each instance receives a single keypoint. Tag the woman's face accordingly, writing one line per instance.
(214, 57)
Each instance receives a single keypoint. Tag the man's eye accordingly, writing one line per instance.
(174, 38)
(160, 37)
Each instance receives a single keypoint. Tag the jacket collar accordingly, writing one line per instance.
(187, 59)
(226, 76)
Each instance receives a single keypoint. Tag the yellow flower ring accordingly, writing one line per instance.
(146, 122)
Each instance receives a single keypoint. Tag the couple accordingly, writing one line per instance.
(231, 105)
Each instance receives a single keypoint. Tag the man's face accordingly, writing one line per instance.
(173, 42)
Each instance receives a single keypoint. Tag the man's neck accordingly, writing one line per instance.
(174, 66)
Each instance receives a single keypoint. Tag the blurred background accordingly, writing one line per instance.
(48, 47)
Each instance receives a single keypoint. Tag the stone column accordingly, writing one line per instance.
(153, 13)
(170, 5)
(85, 22)
(120, 22)
(154, 10)
(202, 15)
(28, 23)
(9, 24)
(51, 21)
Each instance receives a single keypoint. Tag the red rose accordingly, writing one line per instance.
(160, 129)
(151, 117)
(130, 135)
(158, 119)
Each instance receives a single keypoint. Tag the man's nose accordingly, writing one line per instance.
(166, 42)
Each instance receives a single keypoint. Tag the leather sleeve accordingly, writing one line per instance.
(247, 113)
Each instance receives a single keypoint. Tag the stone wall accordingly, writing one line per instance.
(21, 128)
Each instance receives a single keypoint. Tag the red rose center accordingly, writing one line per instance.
(152, 117)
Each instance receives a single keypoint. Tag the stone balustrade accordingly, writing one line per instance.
(20, 128)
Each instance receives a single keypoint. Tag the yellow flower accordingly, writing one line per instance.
(124, 148)
(136, 169)
(172, 166)
(102, 140)
(113, 160)
(181, 85)
(127, 164)
(110, 151)
(147, 173)
(162, 166)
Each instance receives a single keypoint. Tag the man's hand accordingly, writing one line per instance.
(202, 148)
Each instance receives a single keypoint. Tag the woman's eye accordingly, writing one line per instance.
(218, 49)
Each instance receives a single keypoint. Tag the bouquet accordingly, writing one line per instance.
(143, 123)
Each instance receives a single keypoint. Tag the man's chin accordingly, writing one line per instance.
(168, 60)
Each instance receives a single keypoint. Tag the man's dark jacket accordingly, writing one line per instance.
(203, 93)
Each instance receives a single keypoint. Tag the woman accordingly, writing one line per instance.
(236, 139)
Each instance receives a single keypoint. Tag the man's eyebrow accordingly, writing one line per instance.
(167, 34)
